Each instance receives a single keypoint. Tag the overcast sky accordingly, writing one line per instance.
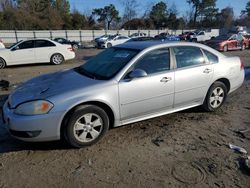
(182, 5)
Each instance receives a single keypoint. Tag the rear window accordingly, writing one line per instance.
(188, 56)
(43, 43)
(211, 57)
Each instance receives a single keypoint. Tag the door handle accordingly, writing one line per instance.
(166, 79)
(207, 71)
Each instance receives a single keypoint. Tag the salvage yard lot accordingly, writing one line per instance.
(188, 148)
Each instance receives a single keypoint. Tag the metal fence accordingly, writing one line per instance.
(12, 36)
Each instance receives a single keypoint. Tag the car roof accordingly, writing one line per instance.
(142, 45)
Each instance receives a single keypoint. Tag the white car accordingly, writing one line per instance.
(36, 51)
(115, 41)
(202, 36)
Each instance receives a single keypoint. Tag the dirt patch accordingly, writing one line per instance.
(185, 149)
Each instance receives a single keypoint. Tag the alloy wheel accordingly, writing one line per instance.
(217, 97)
(88, 127)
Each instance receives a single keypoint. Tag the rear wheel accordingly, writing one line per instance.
(57, 59)
(86, 126)
(2, 63)
(215, 97)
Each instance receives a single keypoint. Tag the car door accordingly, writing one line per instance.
(149, 94)
(192, 76)
(201, 36)
(43, 50)
(232, 43)
(23, 53)
(120, 40)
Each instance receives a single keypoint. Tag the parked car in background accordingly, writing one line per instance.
(124, 84)
(36, 51)
(140, 39)
(102, 38)
(229, 42)
(100, 41)
(112, 41)
(184, 36)
(161, 35)
(75, 45)
(138, 34)
(169, 38)
(203, 35)
(1, 44)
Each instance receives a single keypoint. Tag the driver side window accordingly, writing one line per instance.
(26, 45)
(154, 61)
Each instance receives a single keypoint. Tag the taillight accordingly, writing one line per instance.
(241, 64)
(71, 49)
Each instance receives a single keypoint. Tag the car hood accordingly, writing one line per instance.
(49, 85)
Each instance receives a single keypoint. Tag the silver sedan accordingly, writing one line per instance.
(121, 85)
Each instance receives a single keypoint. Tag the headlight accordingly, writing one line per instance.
(34, 108)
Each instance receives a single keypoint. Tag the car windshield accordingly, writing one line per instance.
(108, 63)
(13, 45)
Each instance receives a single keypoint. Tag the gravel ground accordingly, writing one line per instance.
(184, 149)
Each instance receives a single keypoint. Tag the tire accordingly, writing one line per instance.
(215, 97)
(57, 59)
(194, 40)
(225, 48)
(109, 45)
(75, 47)
(243, 47)
(2, 63)
(86, 126)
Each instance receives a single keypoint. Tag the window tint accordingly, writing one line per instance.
(211, 57)
(43, 43)
(154, 61)
(26, 44)
(122, 37)
(188, 56)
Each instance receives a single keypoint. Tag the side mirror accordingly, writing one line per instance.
(137, 73)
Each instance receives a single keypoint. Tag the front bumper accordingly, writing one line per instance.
(33, 128)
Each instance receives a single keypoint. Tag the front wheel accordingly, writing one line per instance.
(225, 48)
(216, 96)
(57, 59)
(194, 40)
(86, 126)
(243, 47)
(109, 45)
(75, 47)
(2, 63)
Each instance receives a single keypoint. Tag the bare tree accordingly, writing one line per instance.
(130, 9)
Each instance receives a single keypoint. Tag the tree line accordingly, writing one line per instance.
(56, 14)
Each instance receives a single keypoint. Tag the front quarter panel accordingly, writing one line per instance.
(104, 93)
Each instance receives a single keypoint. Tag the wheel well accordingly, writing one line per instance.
(3, 60)
(226, 82)
(104, 106)
(5, 64)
